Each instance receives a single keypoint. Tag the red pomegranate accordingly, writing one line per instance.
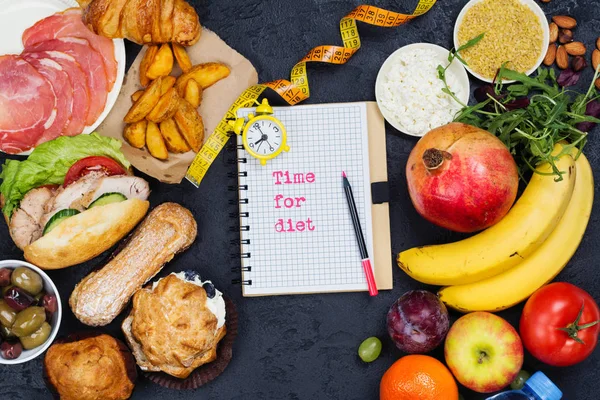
(462, 178)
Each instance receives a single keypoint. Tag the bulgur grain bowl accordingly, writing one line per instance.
(516, 32)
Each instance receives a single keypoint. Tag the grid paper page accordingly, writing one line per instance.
(324, 140)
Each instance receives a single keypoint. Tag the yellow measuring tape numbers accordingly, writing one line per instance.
(296, 89)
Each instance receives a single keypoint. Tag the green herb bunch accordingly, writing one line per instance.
(529, 116)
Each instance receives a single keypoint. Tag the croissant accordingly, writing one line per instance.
(143, 21)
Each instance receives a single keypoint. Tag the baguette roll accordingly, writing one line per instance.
(86, 235)
(103, 294)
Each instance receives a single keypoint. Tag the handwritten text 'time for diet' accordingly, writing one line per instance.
(288, 203)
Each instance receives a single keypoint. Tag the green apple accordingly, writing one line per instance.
(483, 351)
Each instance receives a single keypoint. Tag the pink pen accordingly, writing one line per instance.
(366, 262)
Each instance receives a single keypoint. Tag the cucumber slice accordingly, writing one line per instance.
(58, 218)
(108, 198)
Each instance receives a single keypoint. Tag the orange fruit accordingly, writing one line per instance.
(418, 377)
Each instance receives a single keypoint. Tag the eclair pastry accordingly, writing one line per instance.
(176, 324)
(99, 297)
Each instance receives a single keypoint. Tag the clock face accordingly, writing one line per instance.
(264, 137)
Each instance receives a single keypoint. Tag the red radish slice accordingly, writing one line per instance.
(27, 105)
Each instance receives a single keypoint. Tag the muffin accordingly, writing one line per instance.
(176, 324)
(90, 367)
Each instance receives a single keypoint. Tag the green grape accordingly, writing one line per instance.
(519, 381)
(369, 349)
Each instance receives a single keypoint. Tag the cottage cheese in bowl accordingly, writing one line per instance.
(409, 92)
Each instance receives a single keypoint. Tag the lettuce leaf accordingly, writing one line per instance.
(49, 162)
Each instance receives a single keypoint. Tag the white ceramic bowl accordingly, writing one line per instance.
(49, 287)
(545, 32)
(457, 69)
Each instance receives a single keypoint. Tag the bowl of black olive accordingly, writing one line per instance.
(30, 311)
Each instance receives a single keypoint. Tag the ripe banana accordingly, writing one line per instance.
(502, 246)
(515, 285)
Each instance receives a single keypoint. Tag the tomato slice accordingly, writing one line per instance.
(87, 165)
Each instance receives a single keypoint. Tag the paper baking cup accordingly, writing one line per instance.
(207, 372)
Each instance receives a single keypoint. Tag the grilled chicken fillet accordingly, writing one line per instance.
(25, 224)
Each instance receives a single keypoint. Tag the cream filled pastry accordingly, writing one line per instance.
(176, 324)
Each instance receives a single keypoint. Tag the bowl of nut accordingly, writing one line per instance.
(30, 311)
(516, 34)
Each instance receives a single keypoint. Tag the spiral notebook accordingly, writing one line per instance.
(296, 233)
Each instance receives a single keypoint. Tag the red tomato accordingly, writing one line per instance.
(87, 165)
(559, 325)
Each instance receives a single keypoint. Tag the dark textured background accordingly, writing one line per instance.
(305, 347)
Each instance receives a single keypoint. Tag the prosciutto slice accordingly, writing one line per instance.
(63, 91)
(69, 24)
(79, 86)
(90, 62)
(27, 104)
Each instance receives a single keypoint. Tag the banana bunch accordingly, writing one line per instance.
(506, 263)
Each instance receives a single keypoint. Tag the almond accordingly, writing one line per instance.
(565, 36)
(554, 32)
(598, 43)
(562, 58)
(595, 59)
(597, 83)
(564, 21)
(575, 48)
(550, 55)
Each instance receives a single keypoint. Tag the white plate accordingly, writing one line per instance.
(18, 15)
(545, 32)
(457, 69)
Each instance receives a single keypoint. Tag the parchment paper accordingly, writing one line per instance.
(216, 100)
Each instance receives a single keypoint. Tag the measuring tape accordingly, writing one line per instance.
(296, 89)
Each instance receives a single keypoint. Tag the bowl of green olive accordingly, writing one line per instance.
(30, 311)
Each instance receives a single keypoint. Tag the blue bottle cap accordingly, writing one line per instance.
(543, 387)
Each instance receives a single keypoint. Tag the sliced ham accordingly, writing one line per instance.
(90, 62)
(27, 104)
(79, 84)
(69, 24)
(63, 91)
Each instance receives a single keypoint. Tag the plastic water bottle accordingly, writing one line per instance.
(538, 387)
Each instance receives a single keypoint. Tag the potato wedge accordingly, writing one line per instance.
(145, 103)
(173, 139)
(155, 142)
(182, 57)
(146, 61)
(136, 95)
(162, 64)
(167, 83)
(165, 108)
(190, 124)
(135, 134)
(193, 93)
(205, 74)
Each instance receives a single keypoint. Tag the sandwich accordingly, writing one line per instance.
(72, 199)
